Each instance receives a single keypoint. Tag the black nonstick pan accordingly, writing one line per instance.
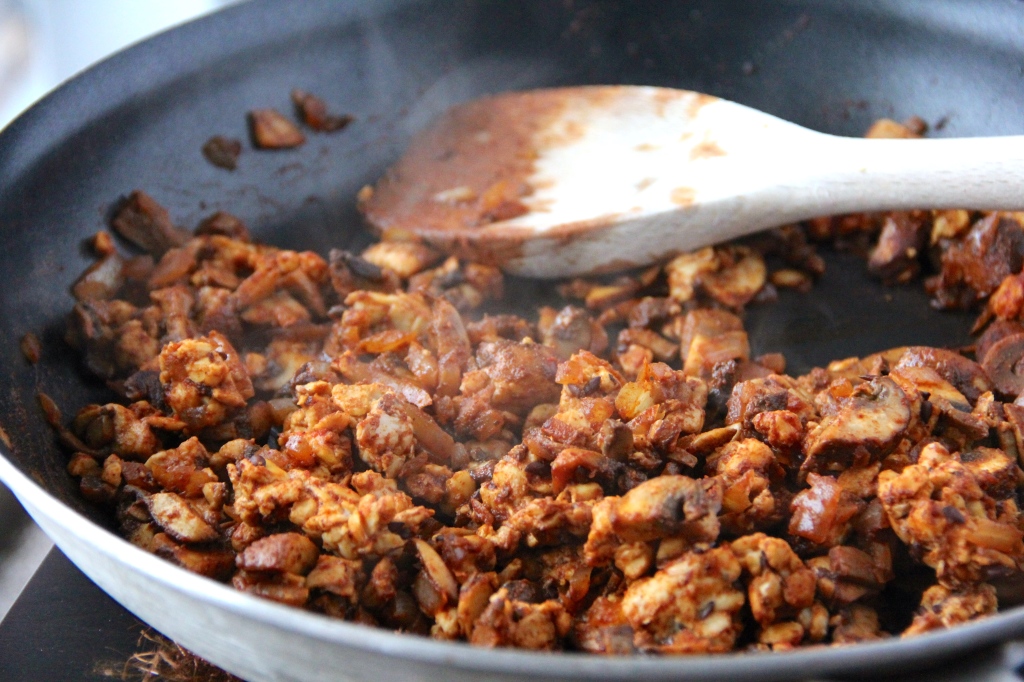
(139, 120)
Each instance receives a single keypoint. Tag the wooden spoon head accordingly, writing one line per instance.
(532, 181)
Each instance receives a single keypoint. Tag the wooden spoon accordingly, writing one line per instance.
(569, 181)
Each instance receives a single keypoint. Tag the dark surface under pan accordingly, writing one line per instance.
(139, 120)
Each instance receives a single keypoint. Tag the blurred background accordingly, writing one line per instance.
(45, 42)
(42, 44)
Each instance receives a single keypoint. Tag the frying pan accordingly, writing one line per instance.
(139, 119)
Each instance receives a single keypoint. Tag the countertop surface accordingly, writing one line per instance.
(65, 628)
(23, 546)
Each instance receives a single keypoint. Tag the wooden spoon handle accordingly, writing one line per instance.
(844, 175)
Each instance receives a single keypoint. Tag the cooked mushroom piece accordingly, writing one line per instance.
(870, 421)
(147, 224)
(965, 374)
(996, 331)
(178, 519)
(280, 553)
(315, 114)
(1004, 365)
(668, 506)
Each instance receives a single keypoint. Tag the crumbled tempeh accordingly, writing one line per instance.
(781, 591)
(690, 606)
(204, 379)
(753, 497)
(939, 510)
(342, 577)
(508, 621)
(183, 469)
(372, 437)
(942, 607)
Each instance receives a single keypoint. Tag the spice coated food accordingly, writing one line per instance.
(354, 436)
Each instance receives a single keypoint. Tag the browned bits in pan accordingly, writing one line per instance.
(103, 244)
(887, 128)
(314, 113)
(146, 224)
(222, 152)
(31, 349)
(50, 410)
(373, 438)
(271, 130)
(224, 224)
